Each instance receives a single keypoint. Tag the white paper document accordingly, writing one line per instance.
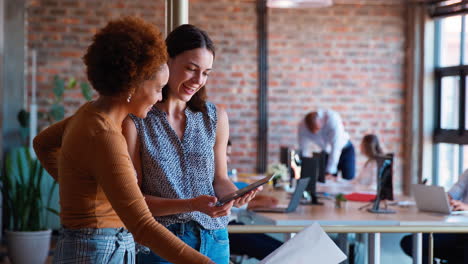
(311, 245)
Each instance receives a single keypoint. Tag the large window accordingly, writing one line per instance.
(451, 132)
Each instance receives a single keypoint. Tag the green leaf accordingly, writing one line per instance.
(22, 189)
(59, 88)
(71, 83)
(86, 91)
(57, 112)
(52, 210)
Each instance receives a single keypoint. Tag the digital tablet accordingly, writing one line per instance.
(240, 192)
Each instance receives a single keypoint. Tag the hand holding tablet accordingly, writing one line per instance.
(243, 191)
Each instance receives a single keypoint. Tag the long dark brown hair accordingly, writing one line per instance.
(371, 146)
(183, 38)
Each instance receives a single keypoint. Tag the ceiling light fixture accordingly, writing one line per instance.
(298, 3)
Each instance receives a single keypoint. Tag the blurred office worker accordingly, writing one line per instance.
(325, 129)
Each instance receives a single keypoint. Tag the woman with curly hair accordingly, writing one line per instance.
(179, 151)
(87, 153)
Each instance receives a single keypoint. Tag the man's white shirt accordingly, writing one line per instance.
(331, 138)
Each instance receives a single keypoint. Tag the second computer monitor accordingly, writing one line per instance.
(385, 177)
(309, 169)
(313, 168)
(322, 159)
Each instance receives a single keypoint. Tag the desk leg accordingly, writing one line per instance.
(417, 248)
(374, 248)
(431, 248)
(343, 244)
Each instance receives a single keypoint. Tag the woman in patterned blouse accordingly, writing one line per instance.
(179, 151)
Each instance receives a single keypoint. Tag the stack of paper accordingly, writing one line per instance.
(311, 245)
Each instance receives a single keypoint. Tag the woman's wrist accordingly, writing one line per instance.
(189, 205)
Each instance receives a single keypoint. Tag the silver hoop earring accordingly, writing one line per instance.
(129, 98)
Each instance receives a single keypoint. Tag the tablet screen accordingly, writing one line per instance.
(240, 192)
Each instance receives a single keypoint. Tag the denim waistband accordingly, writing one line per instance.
(191, 226)
(183, 227)
(95, 232)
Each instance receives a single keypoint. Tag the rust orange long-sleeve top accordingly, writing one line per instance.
(87, 154)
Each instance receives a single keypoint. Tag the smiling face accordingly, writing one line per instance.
(189, 73)
(149, 92)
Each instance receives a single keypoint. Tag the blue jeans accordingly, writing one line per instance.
(347, 162)
(211, 243)
(95, 246)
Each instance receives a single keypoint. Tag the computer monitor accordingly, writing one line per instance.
(384, 183)
(288, 155)
(385, 177)
(322, 158)
(285, 156)
(310, 168)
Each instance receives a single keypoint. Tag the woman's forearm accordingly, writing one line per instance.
(163, 206)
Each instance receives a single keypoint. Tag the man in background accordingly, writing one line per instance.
(325, 129)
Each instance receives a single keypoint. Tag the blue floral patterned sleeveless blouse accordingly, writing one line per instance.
(179, 169)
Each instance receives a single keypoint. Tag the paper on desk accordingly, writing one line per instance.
(311, 244)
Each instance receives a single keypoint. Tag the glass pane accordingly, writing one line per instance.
(448, 164)
(465, 55)
(450, 31)
(450, 100)
(465, 158)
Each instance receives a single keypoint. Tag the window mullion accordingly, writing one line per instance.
(462, 40)
(462, 115)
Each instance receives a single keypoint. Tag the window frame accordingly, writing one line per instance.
(450, 136)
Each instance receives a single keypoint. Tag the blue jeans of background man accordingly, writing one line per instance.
(347, 162)
(211, 243)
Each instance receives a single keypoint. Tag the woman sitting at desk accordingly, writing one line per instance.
(370, 147)
(449, 247)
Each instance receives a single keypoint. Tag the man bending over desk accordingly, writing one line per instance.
(325, 129)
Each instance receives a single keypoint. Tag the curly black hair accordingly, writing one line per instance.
(124, 53)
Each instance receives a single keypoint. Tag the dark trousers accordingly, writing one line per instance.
(449, 247)
(253, 245)
(347, 162)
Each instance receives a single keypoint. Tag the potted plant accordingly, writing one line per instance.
(26, 198)
(340, 200)
(281, 172)
(26, 208)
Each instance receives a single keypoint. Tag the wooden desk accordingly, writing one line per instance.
(352, 220)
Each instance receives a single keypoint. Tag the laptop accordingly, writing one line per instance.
(293, 203)
(432, 198)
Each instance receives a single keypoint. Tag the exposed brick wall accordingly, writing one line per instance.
(61, 30)
(348, 57)
(233, 83)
